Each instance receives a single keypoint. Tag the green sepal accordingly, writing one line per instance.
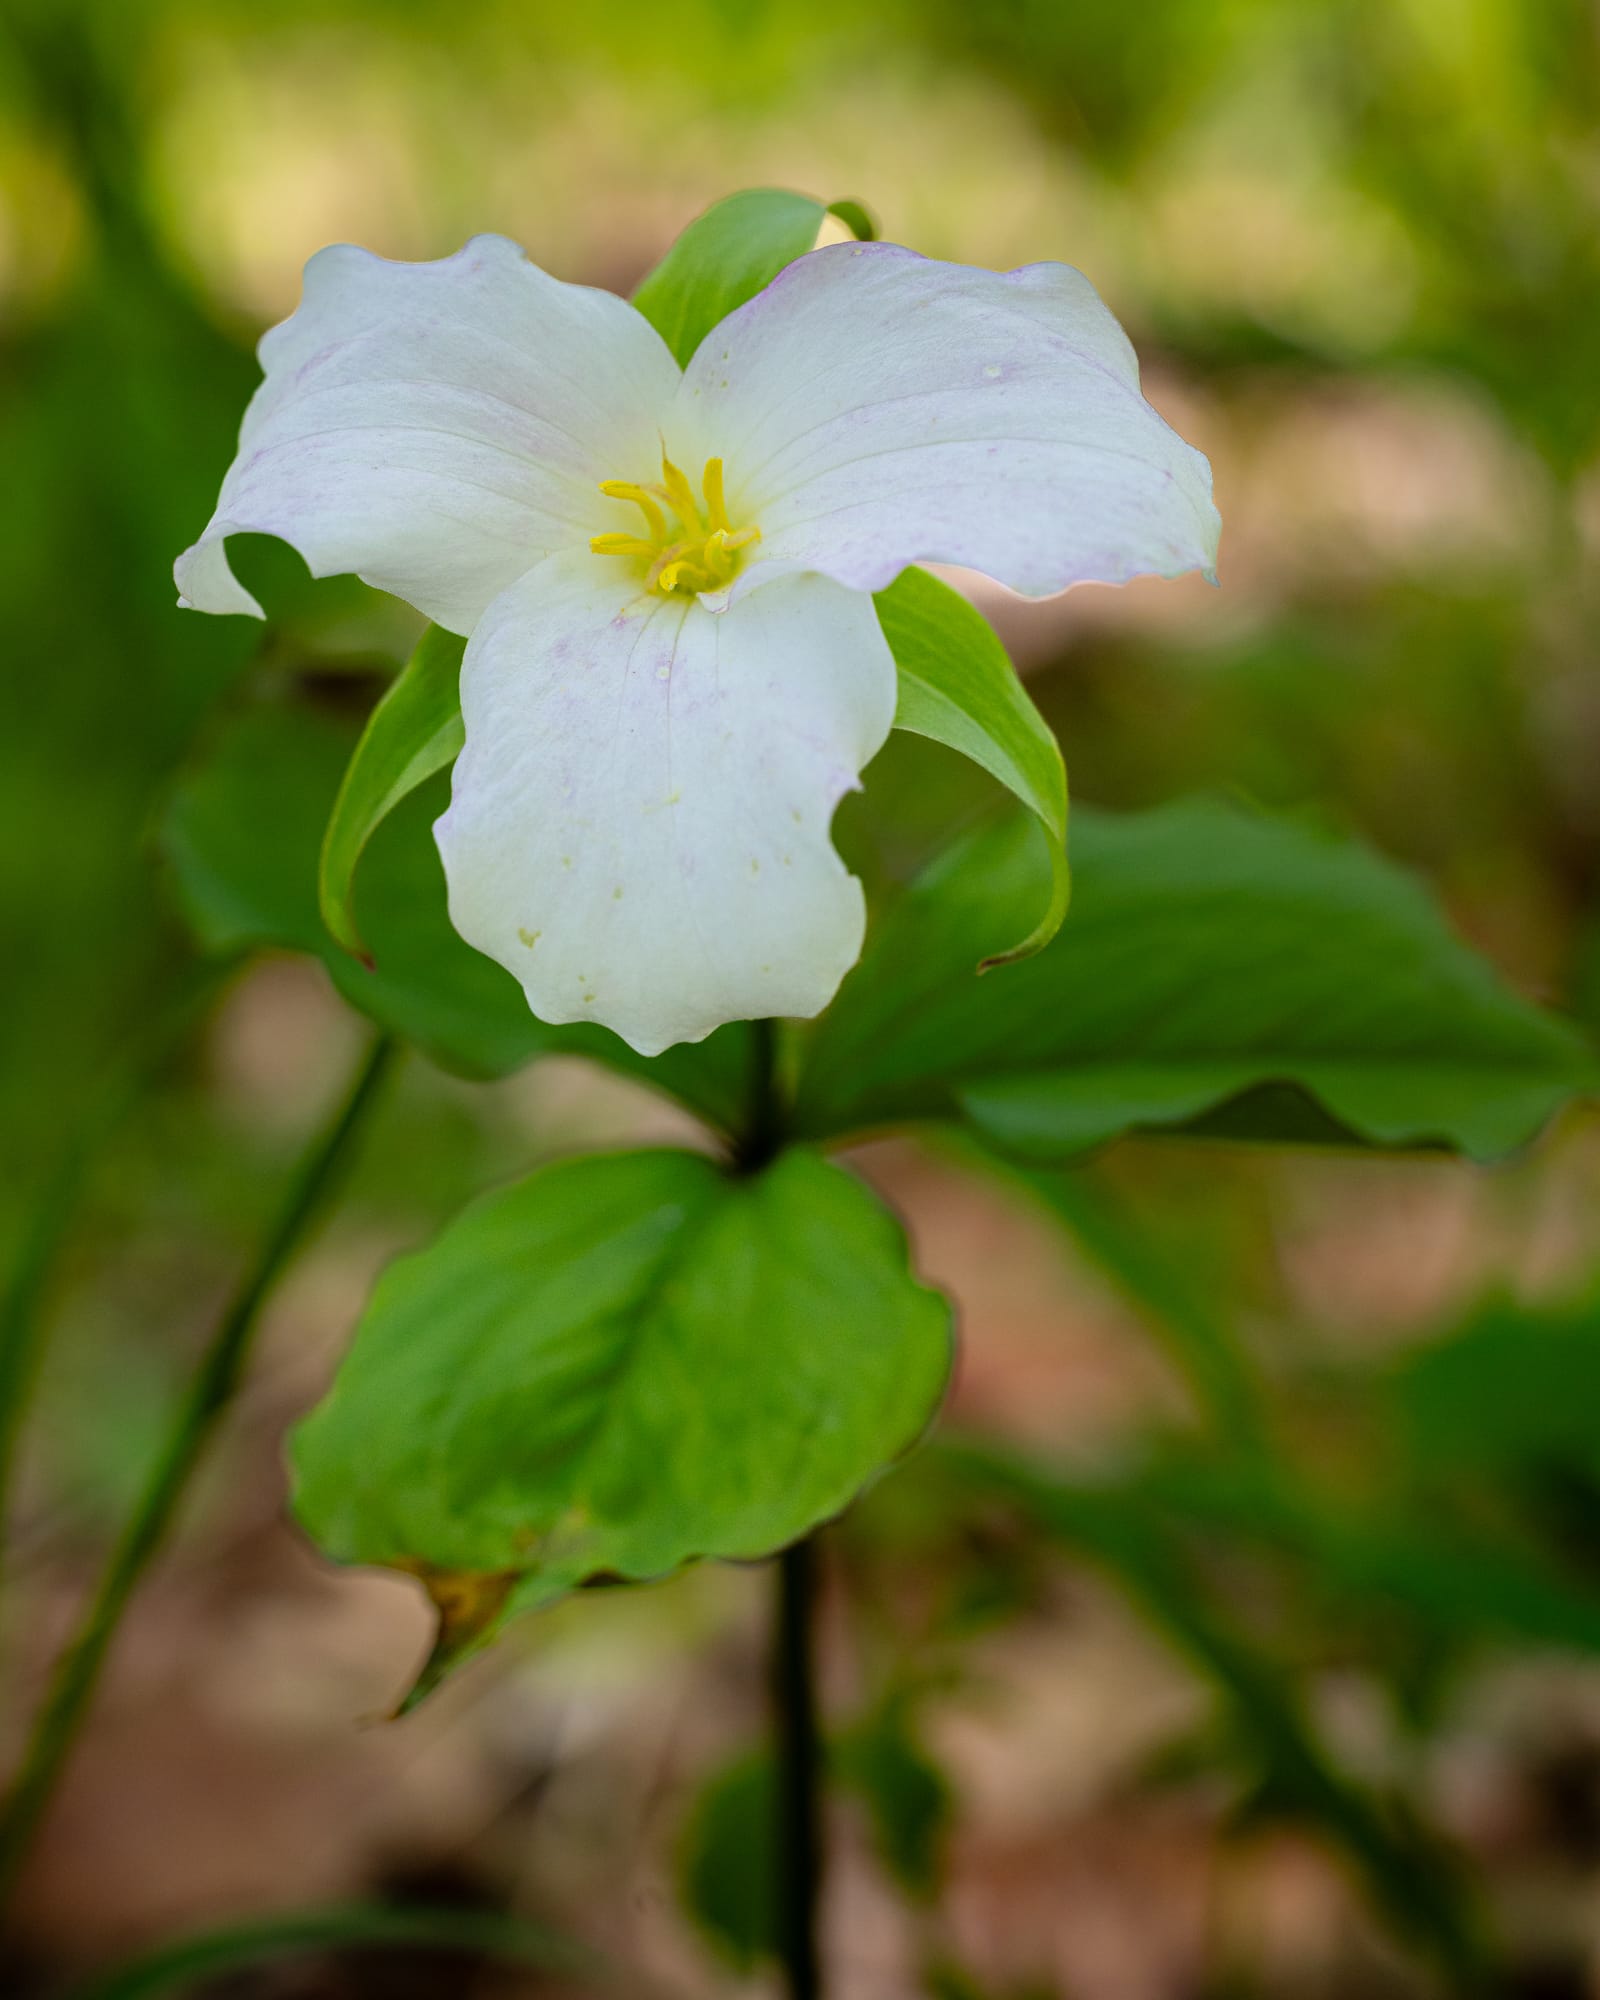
(957, 685)
(414, 731)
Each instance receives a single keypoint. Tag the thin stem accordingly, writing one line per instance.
(797, 1845)
(799, 1774)
(24, 1298)
(210, 1394)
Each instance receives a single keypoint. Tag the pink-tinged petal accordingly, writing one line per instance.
(638, 828)
(436, 429)
(875, 408)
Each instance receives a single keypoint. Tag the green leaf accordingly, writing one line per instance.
(728, 1860)
(958, 687)
(1513, 1393)
(241, 837)
(616, 1366)
(414, 731)
(1380, 1554)
(1222, 971)
(857, 218)
(905, 1792)
(728, 255)
(240, 832)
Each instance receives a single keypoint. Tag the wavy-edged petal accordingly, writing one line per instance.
(436, 428)
(638, 828)
(875, 408)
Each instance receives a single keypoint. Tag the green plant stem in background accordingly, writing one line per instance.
(210, 1394)
(1411, 1877)
(798, 1791)
(175, 1968)
(22, 1303)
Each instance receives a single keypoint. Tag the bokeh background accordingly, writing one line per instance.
(1212, 1735)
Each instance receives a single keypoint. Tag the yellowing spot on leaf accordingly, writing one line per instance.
(529, 938)
(468, 1604)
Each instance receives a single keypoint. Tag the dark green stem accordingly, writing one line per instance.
(213, 1955)
(797, 1842)
(23, 1301)
(798, 1790)
(762, 1137)
(210, 1394)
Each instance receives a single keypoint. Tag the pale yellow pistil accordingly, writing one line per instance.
(689, 545)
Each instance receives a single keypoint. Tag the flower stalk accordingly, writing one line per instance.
(798, 1792)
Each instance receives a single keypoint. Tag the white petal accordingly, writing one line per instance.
(638, 828)
(875, 409)
(436, 428)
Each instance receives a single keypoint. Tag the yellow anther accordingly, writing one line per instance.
(621, 545)
(699, 551)
(625, 489)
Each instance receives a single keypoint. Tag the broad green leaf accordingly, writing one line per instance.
(614, 1367)
(1222, 971)
(729, 254)
(414, 731)
(241, 837)
(958, 687)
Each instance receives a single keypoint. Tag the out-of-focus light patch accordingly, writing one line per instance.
(1403, 477)
(272, 147)
(280, 1047)
(267, 154)
(1308, 259)
(1243, 213)
(1586, 512)
(41, 227)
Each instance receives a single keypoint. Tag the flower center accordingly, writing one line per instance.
(689, 545)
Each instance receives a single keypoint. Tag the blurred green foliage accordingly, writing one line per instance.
(1359, 241)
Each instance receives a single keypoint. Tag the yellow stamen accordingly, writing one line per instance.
(621, 545)
(716, 505)
(625, 489)
(679, 492)
(700, 551)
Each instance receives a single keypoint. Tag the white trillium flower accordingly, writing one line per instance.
(674, 669)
